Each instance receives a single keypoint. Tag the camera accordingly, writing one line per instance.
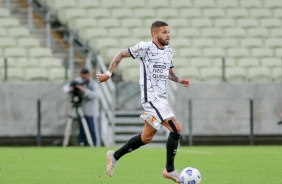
(77, 95)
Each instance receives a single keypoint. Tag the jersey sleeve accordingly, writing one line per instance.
(139, 50)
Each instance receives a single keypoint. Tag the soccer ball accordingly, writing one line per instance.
(190, 175)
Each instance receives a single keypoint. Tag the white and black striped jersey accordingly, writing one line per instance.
(154, 69)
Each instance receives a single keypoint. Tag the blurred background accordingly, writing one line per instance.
(230, 50)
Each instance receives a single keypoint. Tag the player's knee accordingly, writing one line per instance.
(175, 126)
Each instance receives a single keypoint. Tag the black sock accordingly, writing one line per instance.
(133, 144)
(171, 149)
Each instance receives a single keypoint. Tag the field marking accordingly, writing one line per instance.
(196, 152)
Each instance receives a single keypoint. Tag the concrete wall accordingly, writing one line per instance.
(220, 108)
(18, 108)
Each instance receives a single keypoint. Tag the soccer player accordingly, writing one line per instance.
(155, 58)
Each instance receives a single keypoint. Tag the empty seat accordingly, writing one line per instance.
(211, 74)
(16, 74)
(273, 4)
(179, 43)
(259, 74)
(144, 13)
(201, 22)
(224, 22)
(59, 74)
(15, 52)
(82, 23)
(277, 74)
(250, 4)
(4, 12)
(258, 32)
(98, 13)
(119, 32)
(214, 13)
(226, 61)
(251, 42)
(276, 32)
(237, 13)
(39, 52)
(262, 52)
(121, 13)
(204, 3)
(261, 13)
(200, 62)
(18, 32)
(227, 4)
(67, 14)
(248, 22)
(7, 42)
(188, 32)
(191, 73)
(36, 74)
(214, 52)
(59, 4)
(212, 32)
(24, 62)
(132, 22)
(134, 4)
(179, 62)
(88, 4)
(155, 4)
(109, 53)
(128, 42)
(93, 32)
(189, 52)
(270, 22)
(131, 74)
(235, 32)
(9, 22)
(277, 13)
(128, 63)
(178, 22)
(203, 42)
(50, 62)
(101, 43)
(148, 21)
(141, 32)
(273, 42)
(3, 32)
(180, 4)
(227, 42)
(238, 52)
(11, 62)
(235, 74)
(108, 22)
(278, 52)
(111, 4)
(248, 62)
(271, 62)
(28, 42)
(190, 13)
(167, 13)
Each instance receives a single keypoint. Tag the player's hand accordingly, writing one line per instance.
(70, 89)
(102, 77)
(184, 82)
(81, 88)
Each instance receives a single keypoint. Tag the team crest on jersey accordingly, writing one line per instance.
(153, 119)
(167, 110)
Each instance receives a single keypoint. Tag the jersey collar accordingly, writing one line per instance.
(157, 46)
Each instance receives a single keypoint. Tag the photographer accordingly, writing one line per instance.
(83, 93)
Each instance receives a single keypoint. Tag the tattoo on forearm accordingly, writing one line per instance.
(116, 60)
(173, 77)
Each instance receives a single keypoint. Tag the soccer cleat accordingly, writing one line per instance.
(112, 162)
(174, 175)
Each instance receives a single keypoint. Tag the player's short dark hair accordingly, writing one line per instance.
(158, 24)
(84, 71)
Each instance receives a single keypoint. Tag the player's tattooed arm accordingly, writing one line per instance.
(173, 77)
(116, 60)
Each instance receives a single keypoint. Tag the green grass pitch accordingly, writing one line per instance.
(218, 165)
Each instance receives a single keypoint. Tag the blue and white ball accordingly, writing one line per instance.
(190, 175)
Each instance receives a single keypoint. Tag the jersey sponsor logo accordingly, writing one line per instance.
(153, 119)
(159, 66)
(158, 72)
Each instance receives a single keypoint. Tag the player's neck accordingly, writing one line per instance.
(158, 44)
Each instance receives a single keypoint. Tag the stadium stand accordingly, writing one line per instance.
(246, 33)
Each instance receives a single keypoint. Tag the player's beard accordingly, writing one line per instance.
(163, 42)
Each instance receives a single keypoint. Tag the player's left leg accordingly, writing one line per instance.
(171, 147)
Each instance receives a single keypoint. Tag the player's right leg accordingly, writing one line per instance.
(133, 144)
